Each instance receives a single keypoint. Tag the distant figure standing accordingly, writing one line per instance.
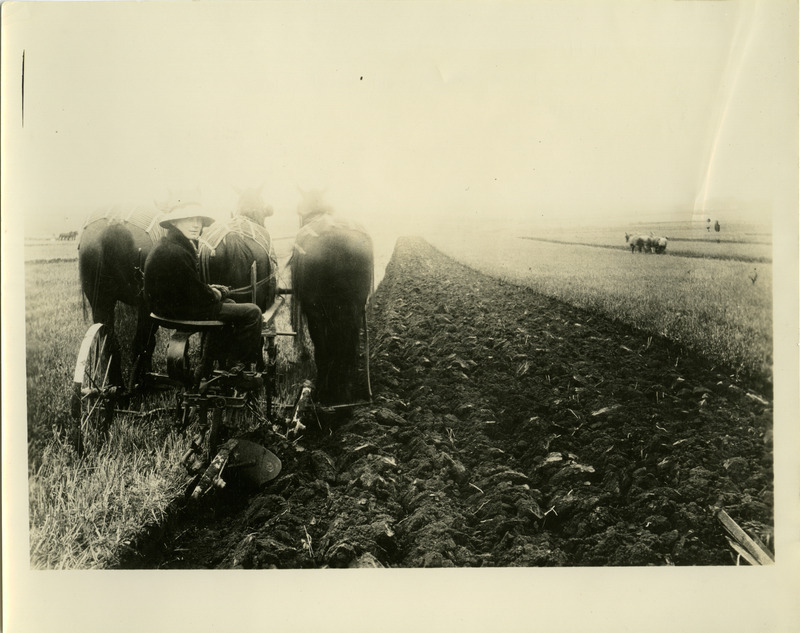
(716, 226)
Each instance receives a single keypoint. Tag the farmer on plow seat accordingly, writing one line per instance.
(174, 288)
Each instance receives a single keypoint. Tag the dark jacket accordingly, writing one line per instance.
(172, 284)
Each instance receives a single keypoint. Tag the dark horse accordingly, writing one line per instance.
(113, 248)
(229, 249)
(332, 276)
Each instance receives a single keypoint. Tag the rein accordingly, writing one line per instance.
(204, 273)
(248, 289)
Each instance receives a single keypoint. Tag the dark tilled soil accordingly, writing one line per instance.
(507, 429)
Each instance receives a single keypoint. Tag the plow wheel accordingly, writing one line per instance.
(93, 390)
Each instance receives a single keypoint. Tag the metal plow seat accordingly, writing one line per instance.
(178, 365)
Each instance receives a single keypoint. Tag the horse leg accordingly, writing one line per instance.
(348, 352)
(319, 328)
(349, 361)
(337, 365)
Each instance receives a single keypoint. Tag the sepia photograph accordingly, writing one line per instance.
(400, 315)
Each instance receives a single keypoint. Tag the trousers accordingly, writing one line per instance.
(245, 342)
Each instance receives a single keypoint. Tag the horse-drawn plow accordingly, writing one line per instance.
(213, 403)
(220, 406)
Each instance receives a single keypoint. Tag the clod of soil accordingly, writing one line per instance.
(507, 429)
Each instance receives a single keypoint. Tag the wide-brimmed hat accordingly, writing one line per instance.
(185, 209)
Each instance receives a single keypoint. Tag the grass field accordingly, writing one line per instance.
(49, 250)
(84, 510)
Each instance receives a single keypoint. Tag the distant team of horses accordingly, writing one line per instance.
(67, 237)
(646, 243)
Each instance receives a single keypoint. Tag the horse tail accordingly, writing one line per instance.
(118, 258)
(90, 265)
(107, 269)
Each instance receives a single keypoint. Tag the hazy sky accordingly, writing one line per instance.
(405, 111)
